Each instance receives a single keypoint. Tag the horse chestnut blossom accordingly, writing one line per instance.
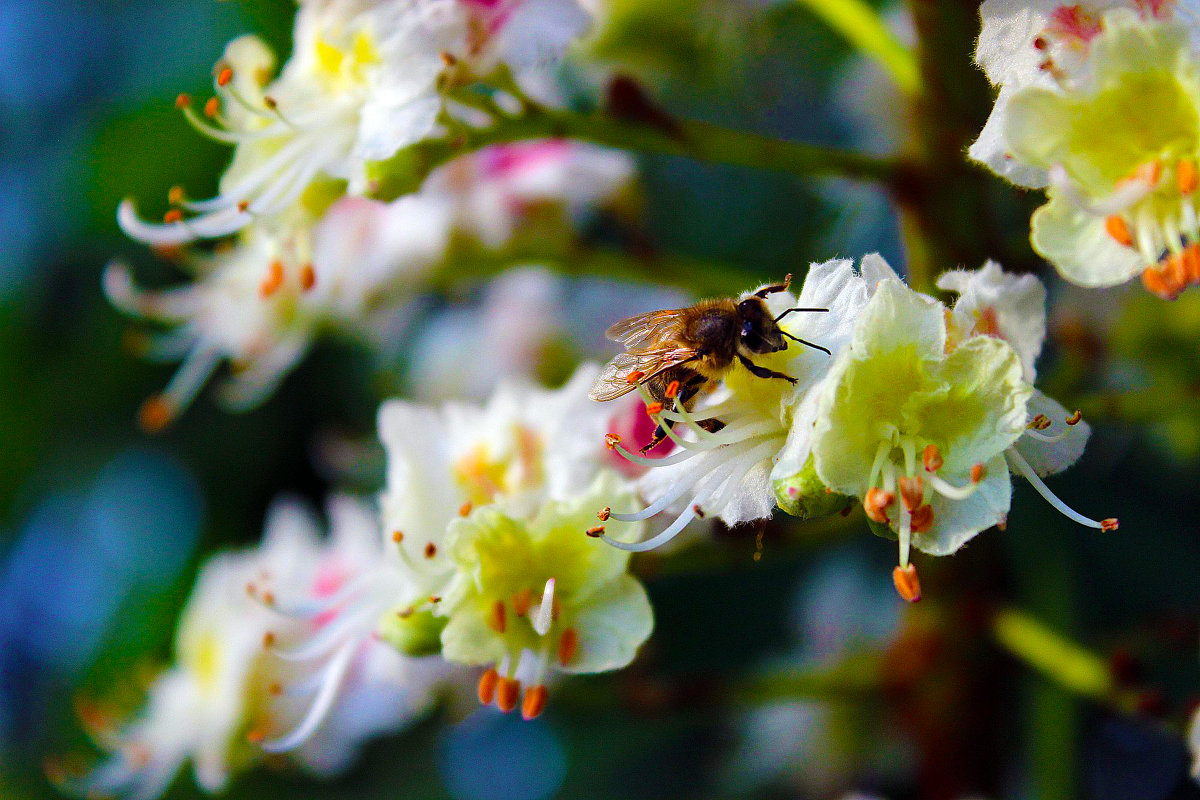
(527, 457)
(1042, 43)
(365, 79)
(535, 589)
(731, 473)
(259, 302)
(920, 415)
(226, 692)
(1124, 209)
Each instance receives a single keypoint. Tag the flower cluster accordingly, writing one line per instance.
(475, 556)
(225, 692)
(920, 412)
(309, 252)
(1100, 104)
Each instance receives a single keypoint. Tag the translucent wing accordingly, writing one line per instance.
(637, 332)
(614, 380)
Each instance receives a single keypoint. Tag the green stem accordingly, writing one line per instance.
(403, 172)
(861, 26)
(1066, 663)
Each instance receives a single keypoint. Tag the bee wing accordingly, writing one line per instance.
(613, 382)
(638, 331)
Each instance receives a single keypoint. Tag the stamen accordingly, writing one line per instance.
(175, 196)
(183, 100)
(521, 601)
(634, 376)
(308, 277)
(922, 518)
(907, 584)
(978, 473)
(603, 514)
(465, 509)
(430, 550)
(876, 504)
(595, 532)
(568, 646)
(672, 390)
(334, 673)
(155, 414)
(1118, 229)
(397, 536)
(949, 490)
(534, 703)
(224, 77)
(1022, 466)
(932, 458)
(487, 686)
(545, 611)
(1039, 423)
(212, 108)
(507, 692)
(1075, 417)
(912, 491)
(654, 409)
(497, 620)
(611, 440)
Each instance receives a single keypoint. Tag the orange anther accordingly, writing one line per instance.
(465, 509)
(611, 440)
(534, 703)
(521, 601)
(1148, 173)
(497, 619)
(1110, 524)
(1118, 229)
(269, 639)
(1186, 176)
(212, 107)
(921, 519)
(256, 735)
(1191, 262)
(273, 281)
(568, 645)
(672, 390)
(977, 473)
(224, 76)
(405, 613)
(1039, 423)
(595, 532)
(430, 550)
(635, 376)
(397, 536)
(932, 458)
(603, 514)
(173, 216)
(507, 692)
(242, 206)
(270, 103)
(175, 196)
(308, 277)
(908, 585)
(155, 414)
(487, 686)
(1075, 418)
(268, 598)
(654, 408)
(183, 100)
(912, 491)
(1002, 524)
(1156, 283)
(275, 688)
(876, 504)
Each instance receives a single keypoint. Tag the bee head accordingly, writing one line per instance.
(759, 332)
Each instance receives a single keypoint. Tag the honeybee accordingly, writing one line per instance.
(677, 352)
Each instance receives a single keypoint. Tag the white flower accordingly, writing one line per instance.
(225, 688)
(259, 303)
(1041, 43)
(525, 446)
(496, 189)
(362, 82)
(767, 423)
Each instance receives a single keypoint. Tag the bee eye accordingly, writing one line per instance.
(747, 328)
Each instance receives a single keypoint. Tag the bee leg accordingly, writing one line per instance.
(775, 287)
(660, 434)
(763, 372)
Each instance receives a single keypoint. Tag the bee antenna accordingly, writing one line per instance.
(790, 310)
(807, 343)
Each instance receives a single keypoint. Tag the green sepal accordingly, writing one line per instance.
(806, 496)
(416, 634)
